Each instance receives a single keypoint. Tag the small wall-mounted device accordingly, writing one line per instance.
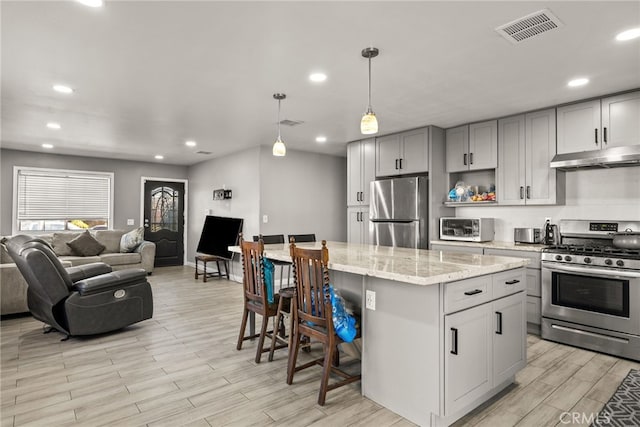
(221, 194)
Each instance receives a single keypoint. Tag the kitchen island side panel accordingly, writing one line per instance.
(401, 357)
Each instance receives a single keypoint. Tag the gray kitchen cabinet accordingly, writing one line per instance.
(402, 153)
(472, 147)
(533, 278)
(526, 145)
(358, 225)
(600, 123)
(621, 119)
(452, 248)
(485, 344)
(360, 171)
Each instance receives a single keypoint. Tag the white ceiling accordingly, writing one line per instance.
(149, 75)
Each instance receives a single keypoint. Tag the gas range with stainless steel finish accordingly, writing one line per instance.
(591, 290)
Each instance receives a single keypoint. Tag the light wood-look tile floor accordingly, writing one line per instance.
(182, 368)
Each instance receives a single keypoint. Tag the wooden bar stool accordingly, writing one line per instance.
(204, 259)
(312, 317)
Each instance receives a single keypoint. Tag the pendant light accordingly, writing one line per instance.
(369, 122)
(279, 149)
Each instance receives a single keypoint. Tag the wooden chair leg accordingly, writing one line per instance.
(277, 324)
(336, 357)
(294, 345)
(243, 326)
(263, 333)
(326, 370)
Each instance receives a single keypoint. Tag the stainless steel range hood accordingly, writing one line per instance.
(606, 158)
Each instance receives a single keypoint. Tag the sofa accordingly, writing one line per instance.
(13, 287)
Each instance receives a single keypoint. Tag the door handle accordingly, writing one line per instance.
(473, 292)
(470, 158)
(528, 191)
(512, 282)
(521, 192)
(596, 136)
(464, 159)
(499, 328)
(454, 341)
(604, 135)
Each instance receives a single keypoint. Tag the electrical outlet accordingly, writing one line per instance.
(130, 222)
(265, 218)
(370, 302)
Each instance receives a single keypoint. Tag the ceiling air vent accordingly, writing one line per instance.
(203, 152)
(529, 26)
(287, 122)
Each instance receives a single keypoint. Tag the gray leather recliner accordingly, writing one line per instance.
(85, 300)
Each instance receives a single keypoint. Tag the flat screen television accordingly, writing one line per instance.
(218, 233)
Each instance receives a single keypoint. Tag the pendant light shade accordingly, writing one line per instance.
(369, 122)
(279, 149)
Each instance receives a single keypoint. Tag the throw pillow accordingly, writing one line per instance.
(131, 240)
(86, 245)
(59, 243)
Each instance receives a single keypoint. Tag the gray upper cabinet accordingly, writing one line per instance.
(526, 145)
(621, 120)
(472, 147)
(402, 153)
(592, 125)
(360, 171)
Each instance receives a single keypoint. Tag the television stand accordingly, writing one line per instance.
(211, 258)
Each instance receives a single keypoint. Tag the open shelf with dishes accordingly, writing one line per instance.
(480, 181)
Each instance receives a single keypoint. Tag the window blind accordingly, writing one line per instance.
(50, 194)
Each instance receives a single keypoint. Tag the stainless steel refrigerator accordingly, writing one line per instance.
(398, 212)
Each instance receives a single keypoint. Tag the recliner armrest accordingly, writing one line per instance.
(110, 281)
(85, 271)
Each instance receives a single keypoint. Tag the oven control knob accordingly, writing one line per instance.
(587, 260)
(608, 261)
(558, 257)
(619, 263)
(567, 258)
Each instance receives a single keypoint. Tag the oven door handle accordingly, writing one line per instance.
(617, 274)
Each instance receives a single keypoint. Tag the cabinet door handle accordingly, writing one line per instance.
(396, 164)
(499, 328)
(604, 135)
(400, 163)
(454, 341)
(464, 159)
(362, 196)
(512, 282)
(528, 191)
(470, 158)
(473, 292)
(596, 136)
(521, 192)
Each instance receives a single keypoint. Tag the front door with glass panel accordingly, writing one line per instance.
(164, 220)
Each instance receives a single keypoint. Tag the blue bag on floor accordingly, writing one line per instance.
(343, 323)
(269, 269)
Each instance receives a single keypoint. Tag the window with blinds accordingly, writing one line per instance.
(52, 199)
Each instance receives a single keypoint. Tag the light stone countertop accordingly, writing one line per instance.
(414, 266)
(531, 247)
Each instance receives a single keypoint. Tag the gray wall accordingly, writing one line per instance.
(598, 194)
(127, 176)
(303, 193)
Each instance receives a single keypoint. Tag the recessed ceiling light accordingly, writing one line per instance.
(159, 157)
(52, 125)
(321, 139)
(91, 3)
(62, 89)
(578, 82)
(190, 143)
(317, 77)
(631, 34)
(47, 145)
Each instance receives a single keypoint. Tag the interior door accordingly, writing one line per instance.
(164, 220)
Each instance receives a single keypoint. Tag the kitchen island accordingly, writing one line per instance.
(445, 332)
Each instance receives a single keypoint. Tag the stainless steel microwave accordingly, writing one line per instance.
(467, 229)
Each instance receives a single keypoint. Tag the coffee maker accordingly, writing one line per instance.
(551, 235)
